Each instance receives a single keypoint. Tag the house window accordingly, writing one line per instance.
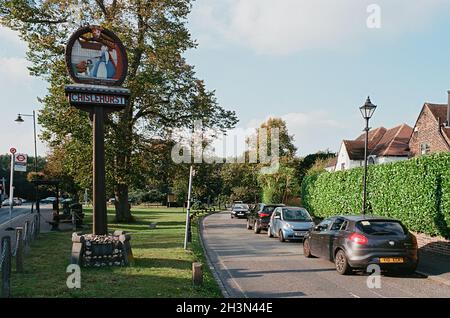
(343, 166)
(371, 160)
(424, 149)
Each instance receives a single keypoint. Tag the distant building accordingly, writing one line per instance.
(385, 145)
(431, 133)
(331, 164)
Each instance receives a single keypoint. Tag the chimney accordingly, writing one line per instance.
(448, 110)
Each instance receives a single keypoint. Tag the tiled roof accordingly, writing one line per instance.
(382, 143)
(375, 136)
(355, 149)
(395, 142)
(439, 111)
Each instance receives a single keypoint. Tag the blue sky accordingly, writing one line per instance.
(312, 63)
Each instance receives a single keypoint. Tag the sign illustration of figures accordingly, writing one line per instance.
(96, 56)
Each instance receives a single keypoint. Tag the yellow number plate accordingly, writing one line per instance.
(392, 260)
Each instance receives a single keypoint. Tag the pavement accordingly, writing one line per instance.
(21, 214)
(248, 265)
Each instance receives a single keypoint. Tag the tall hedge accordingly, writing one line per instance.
(415, 191)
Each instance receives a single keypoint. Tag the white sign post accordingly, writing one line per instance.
(11, 187)
(188, 210)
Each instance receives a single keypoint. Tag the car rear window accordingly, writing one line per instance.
(381, 227)
(268, 209)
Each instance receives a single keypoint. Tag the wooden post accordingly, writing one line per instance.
(197, 274)
(6, 267)
(100, 221)
(26, 237)
(19, 249)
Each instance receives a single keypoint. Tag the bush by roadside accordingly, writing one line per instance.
(416, 191)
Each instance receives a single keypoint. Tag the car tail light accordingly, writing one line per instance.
(264, 215)
(358, 239)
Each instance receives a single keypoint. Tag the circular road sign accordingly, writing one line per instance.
(13, 150)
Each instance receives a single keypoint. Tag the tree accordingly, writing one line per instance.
(165, 90)
(286, 141)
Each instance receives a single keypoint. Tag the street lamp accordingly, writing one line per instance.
(367, 111)
(20, 120)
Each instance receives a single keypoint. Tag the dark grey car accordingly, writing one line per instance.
(354, 242)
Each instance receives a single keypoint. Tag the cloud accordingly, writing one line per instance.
(289, 26)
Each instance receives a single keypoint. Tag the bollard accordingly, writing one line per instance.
(5, 258)
(197, 274)
(26, 237)
(19, 249)
(38, 224)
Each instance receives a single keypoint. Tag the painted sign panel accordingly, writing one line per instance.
(20, 162)
(95, 55)
(97, 99)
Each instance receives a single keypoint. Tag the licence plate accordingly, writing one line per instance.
(299, 233)
(392, 260)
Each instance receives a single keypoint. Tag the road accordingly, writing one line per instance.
(253, 266)
(17, 210)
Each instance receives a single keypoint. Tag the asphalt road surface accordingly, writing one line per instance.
(17, 210)
(251, 265)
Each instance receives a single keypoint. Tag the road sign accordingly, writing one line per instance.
(13, 150)
(20, 162)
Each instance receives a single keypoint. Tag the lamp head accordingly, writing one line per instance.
(19, 119)
(368, 109)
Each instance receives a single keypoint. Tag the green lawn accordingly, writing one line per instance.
(162, 267)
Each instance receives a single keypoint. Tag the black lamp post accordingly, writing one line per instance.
(20, 120)
(367, 111)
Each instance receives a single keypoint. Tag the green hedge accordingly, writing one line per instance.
(415, 191)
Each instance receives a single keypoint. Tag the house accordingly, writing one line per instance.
(385, 145)
(431, 133)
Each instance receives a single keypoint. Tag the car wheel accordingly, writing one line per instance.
(269, 232)
(232, 216)
(341, 262)
(307, 249)
(281, 236)
(256, 228)
(249, 227)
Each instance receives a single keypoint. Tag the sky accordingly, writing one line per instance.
(311, 62)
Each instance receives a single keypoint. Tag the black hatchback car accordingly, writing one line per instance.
(354, 242)
(259, 217)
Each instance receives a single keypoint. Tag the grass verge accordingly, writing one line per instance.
(162, 267)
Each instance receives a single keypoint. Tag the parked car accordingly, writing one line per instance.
(290, 223)
(258, 219)
(354, 242)
(48, 200)
(239, 210)
(16, 201)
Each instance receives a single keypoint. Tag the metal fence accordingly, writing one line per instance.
(23, 238)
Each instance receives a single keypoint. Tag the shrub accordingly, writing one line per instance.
(415, 191)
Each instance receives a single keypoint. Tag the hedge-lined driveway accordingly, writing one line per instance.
(251, 265)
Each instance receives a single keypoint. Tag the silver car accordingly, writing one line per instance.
(290, 223)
